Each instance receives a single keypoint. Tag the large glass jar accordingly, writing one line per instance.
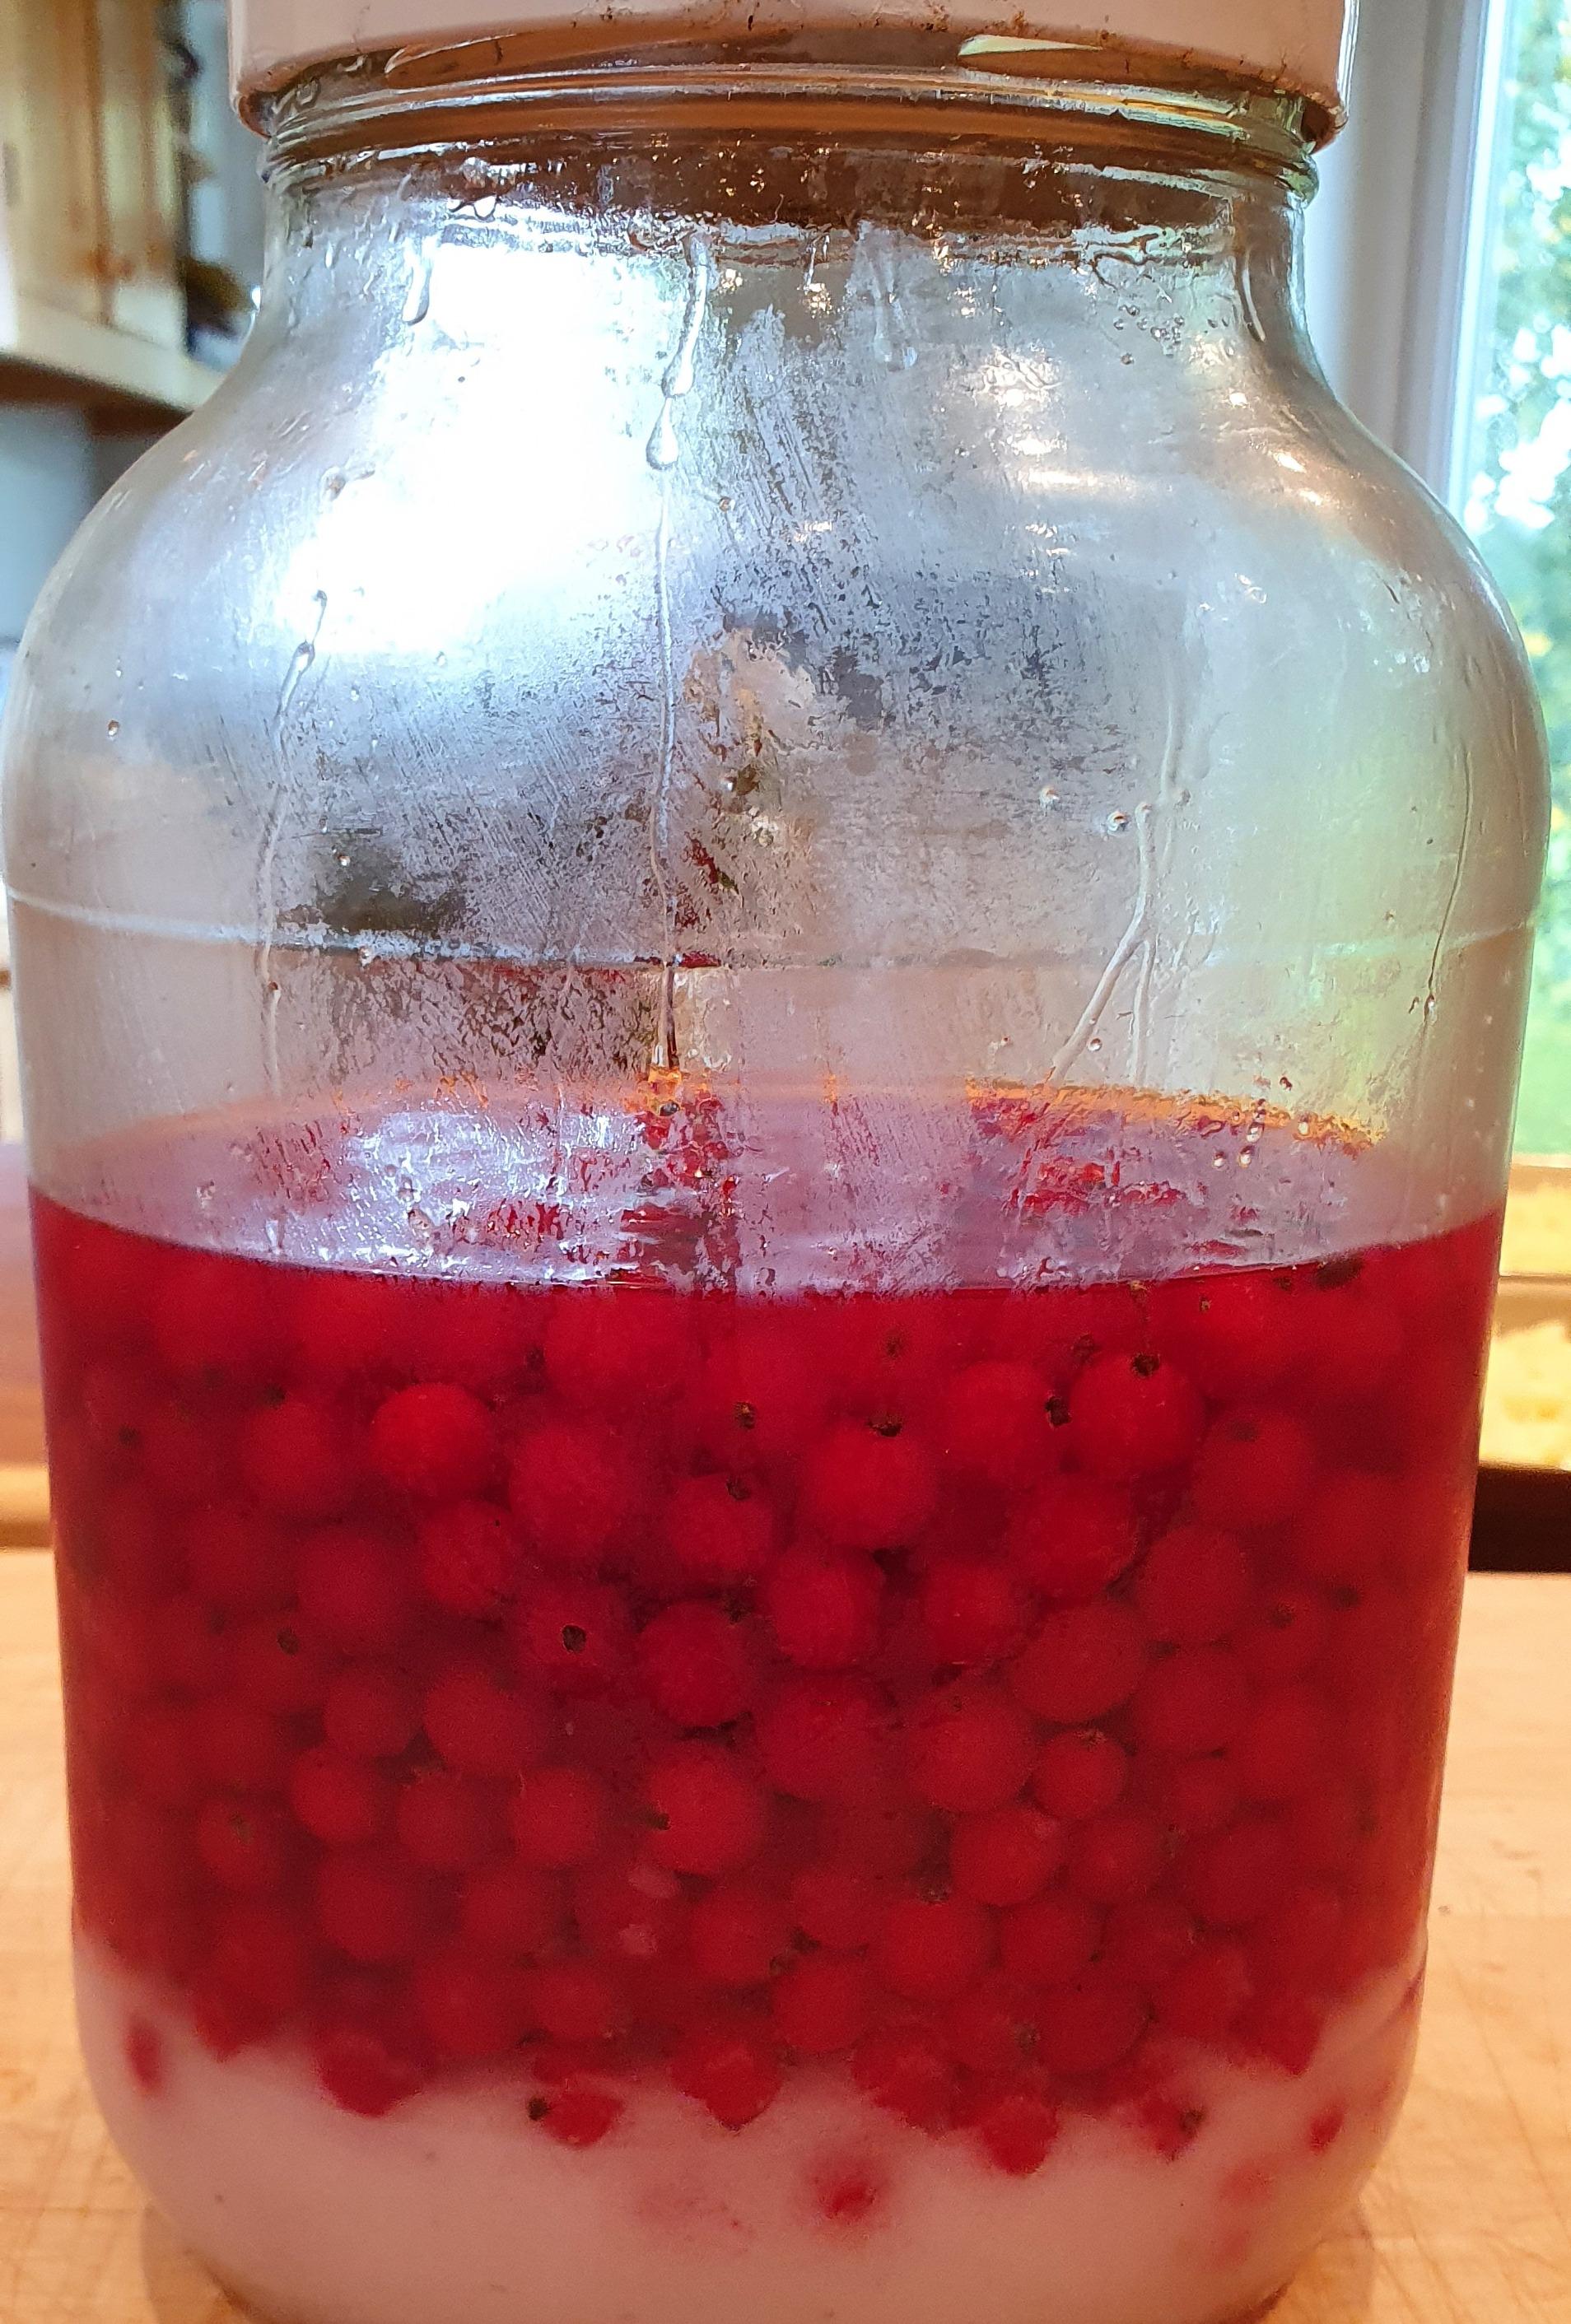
(772, 914)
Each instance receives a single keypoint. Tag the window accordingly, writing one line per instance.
(1512, 471)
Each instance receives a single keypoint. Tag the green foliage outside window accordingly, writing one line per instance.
(1518, 482)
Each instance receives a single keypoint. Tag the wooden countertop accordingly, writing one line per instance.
(1468, 2221)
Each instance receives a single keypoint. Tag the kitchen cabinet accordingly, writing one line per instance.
(91, 304)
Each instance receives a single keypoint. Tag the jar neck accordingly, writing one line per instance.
(1204, 184)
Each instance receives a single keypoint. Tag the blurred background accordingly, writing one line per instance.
(1439, 293)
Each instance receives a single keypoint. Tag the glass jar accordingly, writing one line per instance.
(772, 914)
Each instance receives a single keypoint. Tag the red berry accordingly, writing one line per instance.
(445, 1822)
(558, 1817)
(758, 1400)
(1079, 1773)
(339, 1800)
(823, 1738)
(864, 1491)
(144, 2055)
(695, 1665)
(1192, 1586)
(246, 1844)
(484, 1336)
(1235, 1331)
(837, 1906)
(299, 1458)
(574, 1490)
(369, 1711)
(1286, 1638)
(973, 1612)
(617, 1351)
(481, 1726)
(1082, 1663)
(1351, 1335)
(1284, 2028)
(578, 2116)
(469, 1559)
(930, 1950)
(353, 1588)
(821, 2004)
(1005, 1856)
(1188, 1796)
(1203, 1995)
(1133, 1416)
(1235, 1876)
(822, 1607)
(508, 1908)
(1285, 1746)
(468, 2004)
(847, 2190)
(1089, 2025)
(258, 1955)
(1296, 1944)
(1146, 1938)
(364, 2072)
(1048, 1941)
(435, 1441)
(992, 2027)
(730, 2070)
(1253, 1469)
(1017, 2128)
(992, 1421)
(904, 2072)
(735, 1934)
(368, 1906)
(574, 2001)
(573, 1634)
(1115, 1855)
(708, 1818)
(215, 1319)
(224, 2024)
(719, 1529)
(968, 1750)
(1191, 1702)
(1072, 1538)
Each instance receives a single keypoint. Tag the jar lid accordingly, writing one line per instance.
(1301, 45)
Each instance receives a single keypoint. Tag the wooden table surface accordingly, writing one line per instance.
(1468, 2221)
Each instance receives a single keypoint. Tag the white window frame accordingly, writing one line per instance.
(1396, 260)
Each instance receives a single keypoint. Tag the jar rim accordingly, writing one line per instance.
(1018, 92)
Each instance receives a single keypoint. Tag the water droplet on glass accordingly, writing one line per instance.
(662, 451)
(1246, 1158)
(113, 729)
(1117, 821)
(1095, 1043)
(1047, 796)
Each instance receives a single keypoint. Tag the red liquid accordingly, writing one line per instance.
(990, 1695)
